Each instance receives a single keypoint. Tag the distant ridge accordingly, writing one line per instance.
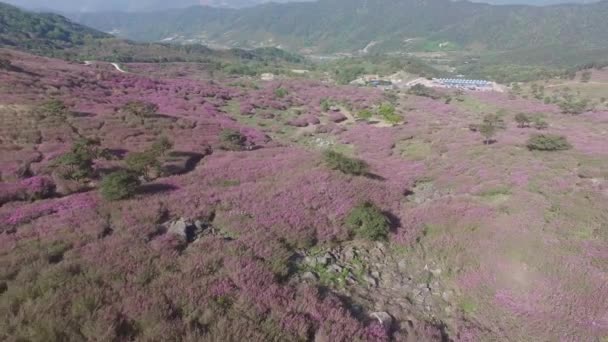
(350, 25)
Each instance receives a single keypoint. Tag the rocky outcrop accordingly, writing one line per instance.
(391, 288)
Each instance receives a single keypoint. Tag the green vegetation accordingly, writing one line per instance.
(78, 163)
(5, 63)
(422, 90)
(141, 109)
(148, 163)
(338, 161)
(540, 123)
(280, 92)
(490, 125)
(387, 112)
(365, 114)
(523, 120)
(41, 33)
(367, 221)
(572, 105)
(53, 108)
(548, 142)
(232, 140)
(119, 185)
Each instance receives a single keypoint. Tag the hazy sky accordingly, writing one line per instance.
(139, 5)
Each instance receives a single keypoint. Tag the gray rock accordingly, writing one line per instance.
(370, 280)
(179, 227)
(335, 268)
(185, 229)
(350, 253)
(310, 261)
(309, 276)
(383, 317)
(325, 260)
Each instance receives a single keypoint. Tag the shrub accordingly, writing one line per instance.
(232, 140)
(140, 109)
(325, 104)
(570, 105)
(367, 221)
(387, 111)
(280, 92)
(338, 161)
(5, 64)
(53, 108)
(522, 120)
(422, 90)
(119, 185)
(548, 142)
(540, 123)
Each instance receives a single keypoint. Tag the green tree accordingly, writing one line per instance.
(523, 120)
(368, 221)
(490, 125)
(161, 146)
(338, 161)
(78, 162)
(148, 163)
(119, 185)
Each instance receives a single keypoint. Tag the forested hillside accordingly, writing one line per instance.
(351, 25)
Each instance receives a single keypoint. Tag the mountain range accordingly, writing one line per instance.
(330, 26)
(131, 5)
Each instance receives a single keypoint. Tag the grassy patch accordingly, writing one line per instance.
(467, 305)
(414, 149)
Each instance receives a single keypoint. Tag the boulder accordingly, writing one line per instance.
(383, 317)
(337, 117)
(186, 229)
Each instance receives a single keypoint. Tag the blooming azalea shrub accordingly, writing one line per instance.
(367, 221)
(30, 189)
(548, 142)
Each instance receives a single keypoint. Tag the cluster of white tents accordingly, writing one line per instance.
(459, 82)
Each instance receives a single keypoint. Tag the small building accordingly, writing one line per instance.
(462, 83)
(267, 77)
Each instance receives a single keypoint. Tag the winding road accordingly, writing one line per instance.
(115, 65)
